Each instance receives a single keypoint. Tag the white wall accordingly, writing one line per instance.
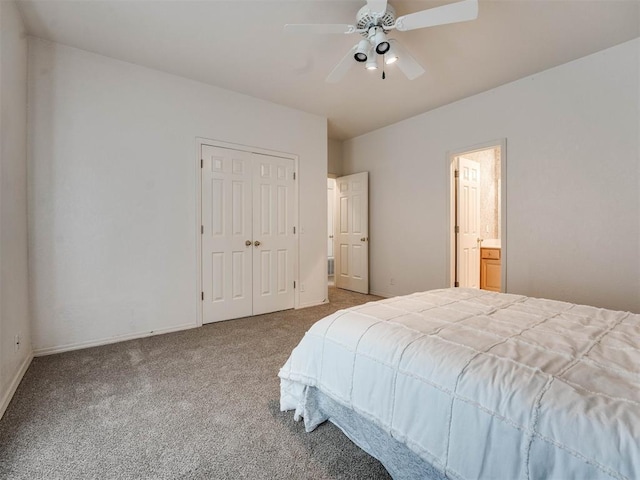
(573, 177)
(112, 179)
(14, 303)
(334, 157)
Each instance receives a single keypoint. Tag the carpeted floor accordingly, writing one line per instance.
(202, 403)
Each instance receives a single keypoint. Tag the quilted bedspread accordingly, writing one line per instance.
(483, 384)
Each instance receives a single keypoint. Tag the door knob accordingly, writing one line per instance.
(363, 239)
(257, 243)
(248, 243)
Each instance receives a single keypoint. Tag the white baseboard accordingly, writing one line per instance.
(381, 294)
(40, 352)
(6, 399)
(312, 304)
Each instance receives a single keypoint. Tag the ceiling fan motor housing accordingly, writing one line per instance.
(366, 20)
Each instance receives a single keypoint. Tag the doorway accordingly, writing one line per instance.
(331, 208)
(477, 217)
(350, 242)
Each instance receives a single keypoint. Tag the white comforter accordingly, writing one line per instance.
(484, 385)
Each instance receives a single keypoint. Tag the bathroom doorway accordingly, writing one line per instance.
(477, 217)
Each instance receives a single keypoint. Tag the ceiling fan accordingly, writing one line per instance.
(374, 21)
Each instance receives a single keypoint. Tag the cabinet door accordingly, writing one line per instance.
(490, 275)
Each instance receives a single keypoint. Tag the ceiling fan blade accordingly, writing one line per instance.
(406, 63)
(319, 28)
(342, 67)
(452, 13)
(377, 7)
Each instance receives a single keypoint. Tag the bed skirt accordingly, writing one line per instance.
(399, 461)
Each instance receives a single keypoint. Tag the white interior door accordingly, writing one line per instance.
(331, 207)
(248, 239)
(226, 230)
(352, 232)
(468, 223)
(273, 224)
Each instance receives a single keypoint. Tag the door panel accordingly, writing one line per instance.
(356, 264)
(344, 210)
(331, 202)
(226, 215)
(217, 276)
(468, 221)
(352, 238)
(283, 201)
(283, 261)
(265, 272)
(343, 267)
(273, 220)
(240, 208)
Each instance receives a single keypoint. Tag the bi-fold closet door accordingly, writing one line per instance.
(248, 233)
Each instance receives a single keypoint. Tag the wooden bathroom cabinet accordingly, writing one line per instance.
(490, 269)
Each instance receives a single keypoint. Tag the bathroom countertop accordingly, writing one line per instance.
(491, 243)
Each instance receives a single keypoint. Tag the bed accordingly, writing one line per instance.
(469, 384)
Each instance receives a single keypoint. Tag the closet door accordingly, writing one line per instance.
(226, 234)
(274, 239)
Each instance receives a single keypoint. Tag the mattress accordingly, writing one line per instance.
(481, 384)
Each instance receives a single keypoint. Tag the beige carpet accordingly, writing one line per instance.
(202, 403)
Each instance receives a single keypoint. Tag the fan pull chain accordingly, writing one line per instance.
(383, 64)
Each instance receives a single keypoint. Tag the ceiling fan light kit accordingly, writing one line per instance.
(391, 56)
(374, 20)
(379, 39)
(372, 63)
(362, 51)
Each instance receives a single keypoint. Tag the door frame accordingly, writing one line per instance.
(451, 237)
(200, 141)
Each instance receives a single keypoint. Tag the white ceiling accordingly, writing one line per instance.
(240, 45)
